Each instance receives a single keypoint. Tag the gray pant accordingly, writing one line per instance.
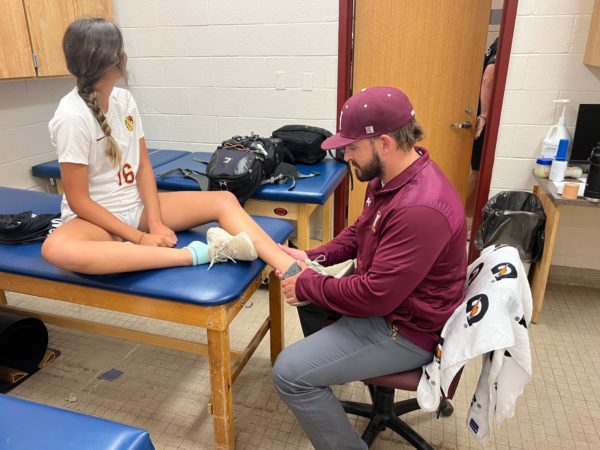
(350, 349)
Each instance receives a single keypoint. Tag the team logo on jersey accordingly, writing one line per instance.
(129, 122)
(504, 270)
(374, 224)
(476, 271)
(437, 355)
(477, 306)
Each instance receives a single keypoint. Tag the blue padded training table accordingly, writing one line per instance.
(274, 200)
(51, 169)
(26, 425)
(185, 295)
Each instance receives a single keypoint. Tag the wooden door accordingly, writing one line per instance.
(93, 8)
(48, 20)
(432, 50)
(15, 51)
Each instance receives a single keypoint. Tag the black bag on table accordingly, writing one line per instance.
(303, 142)
(237, 170)
(272, 150)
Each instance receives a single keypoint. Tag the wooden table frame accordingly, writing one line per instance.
(225, 364)
(299, 213)
(551, 201)
(296, 212)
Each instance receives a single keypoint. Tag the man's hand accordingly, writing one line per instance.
(289, 285)
(293, 252)
(479, 126)
(169, 239)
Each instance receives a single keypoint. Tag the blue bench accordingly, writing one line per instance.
(185, 295)
(51, 169)
(272, 200)
(26, 425)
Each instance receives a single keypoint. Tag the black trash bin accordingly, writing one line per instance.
(514, 218)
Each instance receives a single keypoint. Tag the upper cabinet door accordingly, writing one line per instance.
(93, 8)
(15, 58)
(48, 20)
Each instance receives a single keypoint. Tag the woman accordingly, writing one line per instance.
(111, 200)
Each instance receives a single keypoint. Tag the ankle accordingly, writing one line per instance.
(199, 251)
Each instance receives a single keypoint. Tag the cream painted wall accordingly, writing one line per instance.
(546, 63)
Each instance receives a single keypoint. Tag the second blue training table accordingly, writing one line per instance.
(274, 200)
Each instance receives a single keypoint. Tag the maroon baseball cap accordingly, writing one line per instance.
(369, 113)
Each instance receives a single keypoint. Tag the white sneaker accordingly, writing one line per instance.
(224, 247)
(337, 271)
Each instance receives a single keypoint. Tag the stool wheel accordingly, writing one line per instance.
(446, 409)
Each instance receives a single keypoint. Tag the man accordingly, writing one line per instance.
(411, 266)
(485, 99)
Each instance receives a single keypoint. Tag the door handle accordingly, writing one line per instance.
(465, 124)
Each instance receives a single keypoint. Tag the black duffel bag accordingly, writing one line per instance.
(303, 142)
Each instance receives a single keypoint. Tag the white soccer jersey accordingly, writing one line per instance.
(78, 138)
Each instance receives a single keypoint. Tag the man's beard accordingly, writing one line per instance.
(370, 170)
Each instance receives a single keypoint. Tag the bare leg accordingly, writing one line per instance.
(81, 246)
(184, 210)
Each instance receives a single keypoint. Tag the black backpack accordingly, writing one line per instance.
(237, 170)
(272, 150)
(303, 142)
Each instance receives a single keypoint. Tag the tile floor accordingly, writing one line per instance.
(167, 392)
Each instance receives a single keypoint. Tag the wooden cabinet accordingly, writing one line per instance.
(592, 50)
(34, 29)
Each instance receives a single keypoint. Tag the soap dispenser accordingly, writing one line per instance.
(556, 133)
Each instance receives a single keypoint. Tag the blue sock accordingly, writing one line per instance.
(199, 251)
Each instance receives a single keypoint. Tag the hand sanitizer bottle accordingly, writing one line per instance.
(556, 133)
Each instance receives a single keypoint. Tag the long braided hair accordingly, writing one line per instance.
(92, 46)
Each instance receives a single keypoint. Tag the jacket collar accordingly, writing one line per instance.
(403, 177)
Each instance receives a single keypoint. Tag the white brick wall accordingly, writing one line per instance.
(201, 71)
(204, 70)
(25, 108)
(547, 63)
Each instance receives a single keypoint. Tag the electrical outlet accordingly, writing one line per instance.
(279, 79)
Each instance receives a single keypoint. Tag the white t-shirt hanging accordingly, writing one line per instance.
(78, 138)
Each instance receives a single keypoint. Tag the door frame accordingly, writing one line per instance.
(344, 91)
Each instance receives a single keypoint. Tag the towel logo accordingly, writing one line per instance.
(504, 270)
(476, 308)
(476, 271)
(129, 122)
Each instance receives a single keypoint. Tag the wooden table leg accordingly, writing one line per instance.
(327, 220)
(220, 387)
(303, 225)
(276, 316)
(539, 275)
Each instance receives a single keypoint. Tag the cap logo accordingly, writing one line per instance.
(341, 114)
(369, 130)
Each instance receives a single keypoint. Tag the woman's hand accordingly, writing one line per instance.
(160, 236)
